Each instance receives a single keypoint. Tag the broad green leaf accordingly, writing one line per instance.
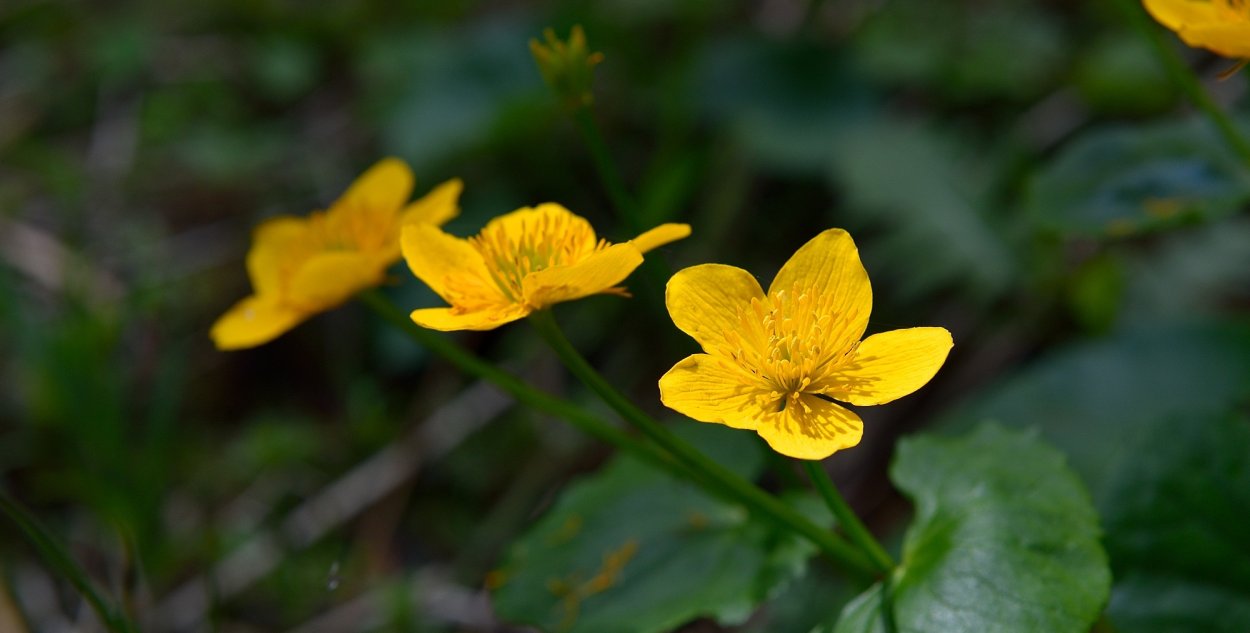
(633, 550)
(1176, 520)
(1005, 540)
(1130, 179)
(1088, 397)
(1141, 416)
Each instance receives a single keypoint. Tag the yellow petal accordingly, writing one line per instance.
(1176, 14)
(890, 365)
(828, 268)
(547, 223)
(278, 248)
(386, 185)
(705, 301)
(661, 235)
(593, 274)
(331, 278)
(1229, 39)
(811, 429)
(253, 321)
(449, 319)
(436, 207)
(713, 389)
(447, 264)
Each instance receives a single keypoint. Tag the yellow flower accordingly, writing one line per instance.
(775, 362)
(302, 266)
(521, 262)
(1222, 26)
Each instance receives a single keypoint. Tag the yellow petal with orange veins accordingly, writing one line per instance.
(811, 428)
(439, 259)
(889, 365)
(594, 274)
(278, 247)
(437, 207)
(661, 235)
(712, 389)
(253, 321)
(705, 301)
(451, 320)
(544, 224)
(328, 279)
(386, 185)
(828, 268)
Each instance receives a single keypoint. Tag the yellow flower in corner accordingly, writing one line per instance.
(302, 266)
(521, 262)
(1221, 26)
(774, 363)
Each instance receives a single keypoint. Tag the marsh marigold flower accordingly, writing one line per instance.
(1221, 26)
(774, 363)
(521, 262)
(302, 266)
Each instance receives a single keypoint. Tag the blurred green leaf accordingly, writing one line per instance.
(632, 549)
(996, 49)
(784, 101)
(1176, 527)
(1005, 539)
(1096, 292)
(1126, 180)
(929, 195)
(1120, 74)
(1086, 398)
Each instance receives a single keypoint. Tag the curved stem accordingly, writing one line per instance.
(626, 208)
(763, 504)
(523, 393)
(847, 518)
(1185, 79)
(59, 559)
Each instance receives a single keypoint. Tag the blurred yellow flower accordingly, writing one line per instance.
(521, 262)
(302, 266)
(774, 363)
(1221, 26)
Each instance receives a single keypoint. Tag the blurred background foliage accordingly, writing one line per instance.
(1018, 171)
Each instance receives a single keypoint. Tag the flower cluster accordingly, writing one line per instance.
(774, 362)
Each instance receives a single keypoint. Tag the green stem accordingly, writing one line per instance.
(1185, 79)
(59, 559)
(847, 518)
(763, 504)
(522, 392)
(613, 183)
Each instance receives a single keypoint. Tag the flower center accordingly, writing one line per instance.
(515, 249)
(790, 343)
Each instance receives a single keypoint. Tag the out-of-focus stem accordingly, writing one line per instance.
(1184, 77)
(56, 556)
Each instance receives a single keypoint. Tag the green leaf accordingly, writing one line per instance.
(1088, 397)
(1005, 539)
(631, 549)
(1141, 178)
(1176, 528)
